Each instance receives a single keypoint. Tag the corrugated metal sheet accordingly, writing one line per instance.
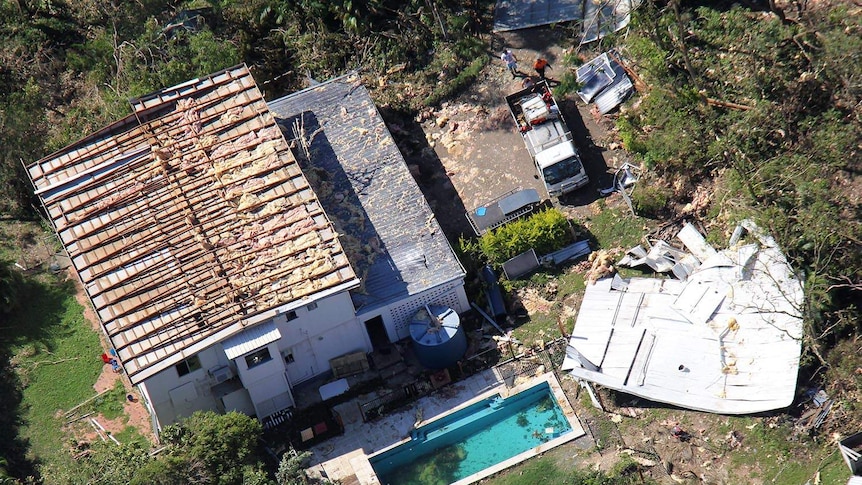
(615, 94)
(724, 341)
(521, 14)
(394, 241)
(615, 85)
(602, 17)
(598, 17)
(188, 218)
(251, 339)
(695, 242)
(521, 264)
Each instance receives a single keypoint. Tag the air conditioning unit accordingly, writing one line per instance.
(221, 374)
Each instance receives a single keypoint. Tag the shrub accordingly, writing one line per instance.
(223, 443)
(463, 78)
(649, 200)
(545, 232)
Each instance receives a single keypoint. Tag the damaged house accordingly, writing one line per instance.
(221, 277)
(723, 337)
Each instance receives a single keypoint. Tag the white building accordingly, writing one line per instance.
(224, 273)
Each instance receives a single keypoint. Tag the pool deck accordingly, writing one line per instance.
(345, 458)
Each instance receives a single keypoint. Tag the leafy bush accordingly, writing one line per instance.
(226, 444)
(463, 78)
(545, 232)
(649, 200)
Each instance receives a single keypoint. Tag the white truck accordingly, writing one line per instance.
(548, 139)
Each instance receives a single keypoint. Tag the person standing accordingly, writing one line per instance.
(540, 65)
(511, 62)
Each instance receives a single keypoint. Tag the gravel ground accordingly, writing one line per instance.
(468, 151)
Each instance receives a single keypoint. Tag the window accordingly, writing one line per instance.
(189, 365)
(311, 306)
(288, 358)
(257, 357)
(291, 315)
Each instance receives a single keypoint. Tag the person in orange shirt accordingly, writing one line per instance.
(540, 65)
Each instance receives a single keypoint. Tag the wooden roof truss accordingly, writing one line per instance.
(187, 217)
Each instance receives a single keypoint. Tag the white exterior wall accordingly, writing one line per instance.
(265, 382)
(313, 338)
(318, 335)
(396, 317)
(158, 387)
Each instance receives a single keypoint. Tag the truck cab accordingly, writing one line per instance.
(548, 139)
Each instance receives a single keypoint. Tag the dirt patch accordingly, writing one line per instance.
(135, 413)
(107, 379)
(472, 152)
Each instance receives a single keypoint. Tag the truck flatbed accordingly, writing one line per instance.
(548, 139)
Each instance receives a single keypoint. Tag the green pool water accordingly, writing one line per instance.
(473, 439)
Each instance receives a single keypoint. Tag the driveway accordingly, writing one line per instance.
(468, 151)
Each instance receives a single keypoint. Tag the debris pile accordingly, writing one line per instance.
(601, 265)
(726, 328)
(534, 302)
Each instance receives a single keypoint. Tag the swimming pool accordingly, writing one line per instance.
(474, 439)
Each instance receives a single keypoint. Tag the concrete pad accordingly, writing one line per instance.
(347, 456)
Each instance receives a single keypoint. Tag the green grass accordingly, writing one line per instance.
(57, 358)
(53, 349)
(538, 470)
(778, 459)
(613, 227)
(130, 434)
(110, 404)
(544, 470)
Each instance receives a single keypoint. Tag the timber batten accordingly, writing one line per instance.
(188, 217)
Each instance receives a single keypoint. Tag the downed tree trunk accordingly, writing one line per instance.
(727, 104)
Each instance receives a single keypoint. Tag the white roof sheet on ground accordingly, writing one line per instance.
(605, 82)
(599, 17)
(251, 339)
(640, 334)
(521, 14)
(602, 17)
(695, 242)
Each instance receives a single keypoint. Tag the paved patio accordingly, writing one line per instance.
(345, 458)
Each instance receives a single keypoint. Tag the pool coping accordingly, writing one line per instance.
(576, 432)
(353, 459)
(504, 391)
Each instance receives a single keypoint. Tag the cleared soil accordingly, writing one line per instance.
(469, 151)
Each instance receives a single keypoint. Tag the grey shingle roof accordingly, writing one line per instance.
(387, 228)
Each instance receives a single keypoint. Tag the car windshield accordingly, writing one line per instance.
(562, 170)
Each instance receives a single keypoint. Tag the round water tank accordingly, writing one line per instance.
(438, 337)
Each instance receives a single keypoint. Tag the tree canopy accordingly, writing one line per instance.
(758, 108)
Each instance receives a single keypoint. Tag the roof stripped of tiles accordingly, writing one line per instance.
(188, 219)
